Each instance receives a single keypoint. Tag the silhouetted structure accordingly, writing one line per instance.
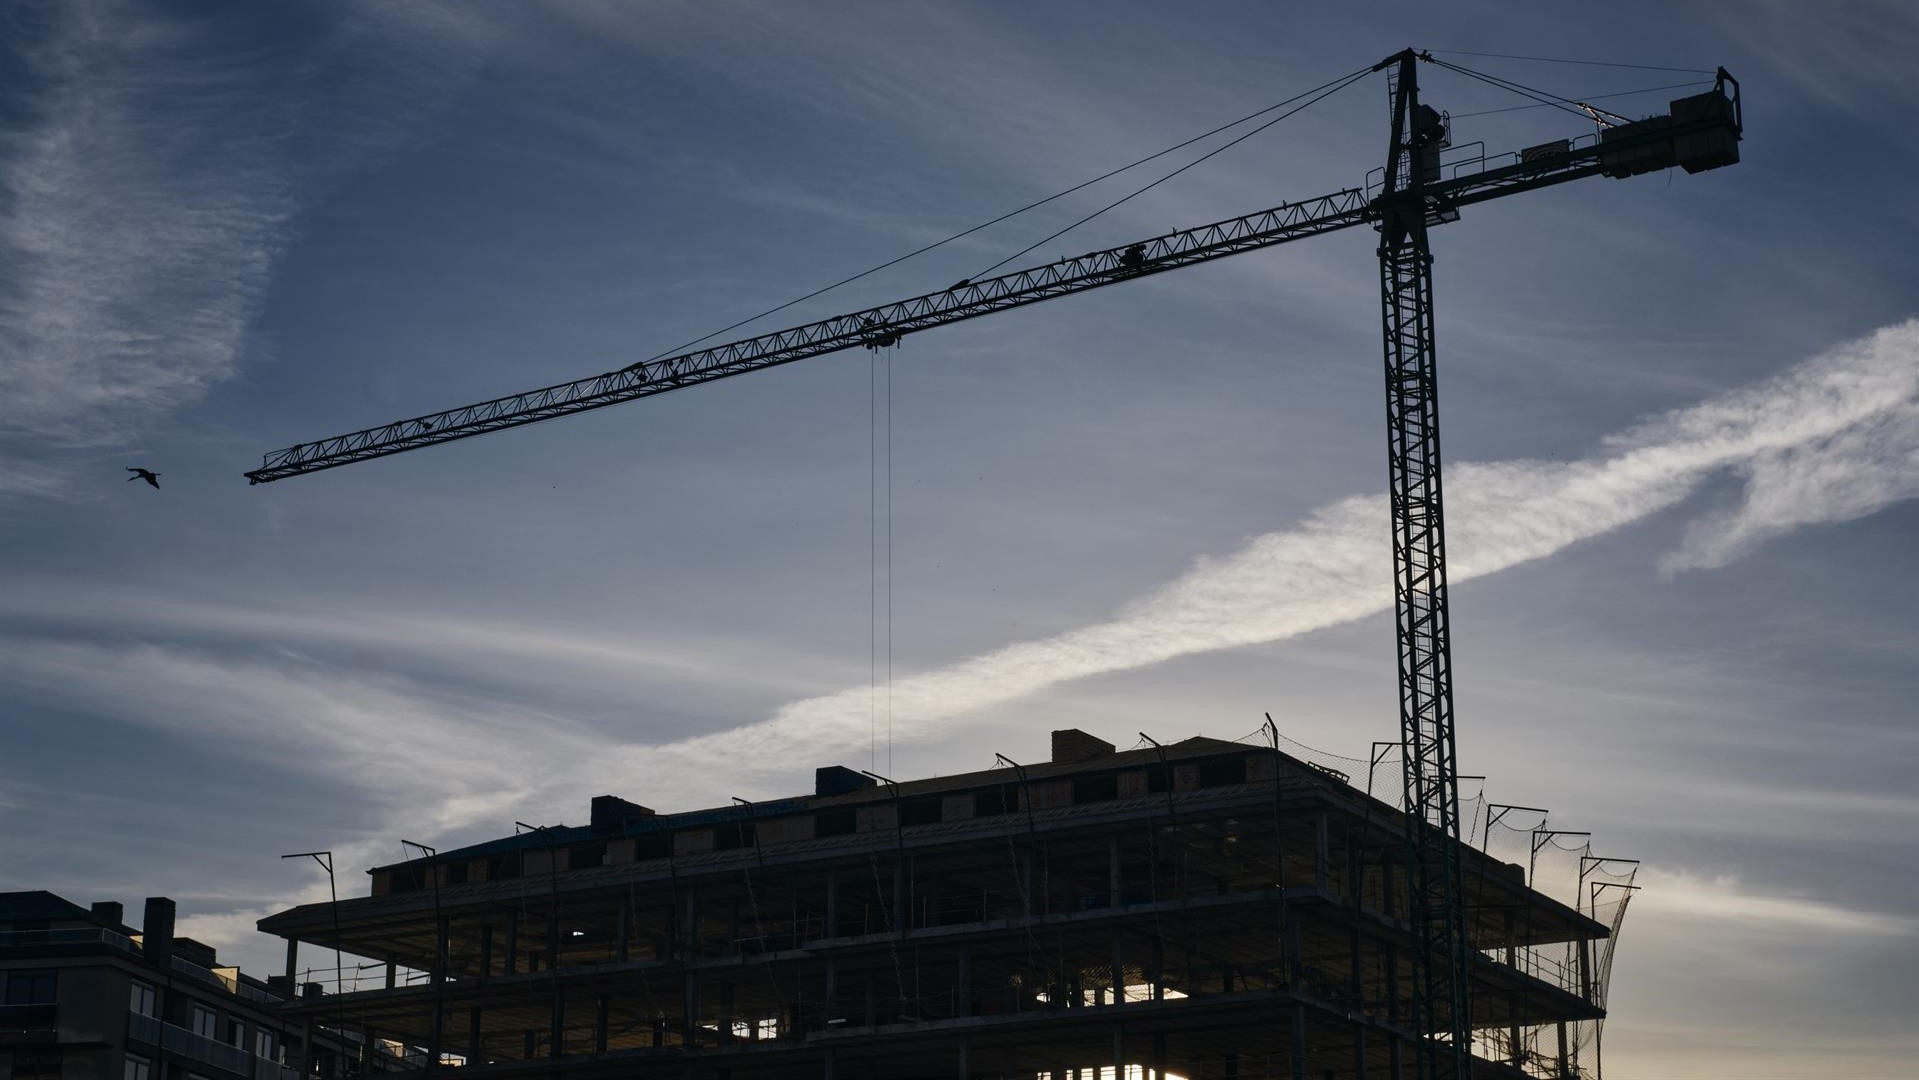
(1209, 909)
(1426, 181)
(87, 997)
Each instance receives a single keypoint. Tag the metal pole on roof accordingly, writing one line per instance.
(325, 859)
(1373, 758)
(440, 950)
(1166, 767)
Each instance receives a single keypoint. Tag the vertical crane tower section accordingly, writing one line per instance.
(1417, 189)
(1440, 958)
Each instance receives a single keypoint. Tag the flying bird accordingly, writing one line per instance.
(148, 475)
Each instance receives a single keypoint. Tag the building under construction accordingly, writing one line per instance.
(1205, 909)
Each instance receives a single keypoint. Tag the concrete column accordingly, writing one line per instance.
(1392, 995)
(1158, 974)
(436, 1037)
(965, 1059)
(900, 913)
(293, 968)
(963, 991)
(1359, 1051)
(475, 1041)
(392, 972)
(832, 928)
(1119, 970)
(1320, 853)
(1295, 968)
(1355, 872)
(553, 942)
(601, 1006)
(1299, 1041)
(1512, 955)
(692, 925)
(1119, 1053)
(486, 951)
(556, 1039)
(690, 1005)
(512, 942)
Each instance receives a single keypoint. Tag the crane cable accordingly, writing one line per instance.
(1543, 97)
(1588, 98)
(1561, 60)
(1319, 94)
(1013, 213)
(879, 365)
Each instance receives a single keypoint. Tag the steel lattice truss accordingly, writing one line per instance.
(1440, 1005)
(873, 327)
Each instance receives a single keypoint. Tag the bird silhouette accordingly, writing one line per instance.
(148, 475)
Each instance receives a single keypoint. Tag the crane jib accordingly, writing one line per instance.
(1701, 133)
(873, 328)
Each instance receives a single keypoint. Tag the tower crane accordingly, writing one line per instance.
(1419, 187)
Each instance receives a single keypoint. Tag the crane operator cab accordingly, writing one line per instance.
(1431, 135)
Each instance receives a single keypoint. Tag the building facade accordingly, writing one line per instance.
(1204, 909)
(83, 996)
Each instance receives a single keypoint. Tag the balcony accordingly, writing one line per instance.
(76, 935)
(227, 979)
(230, 1059)
(26, 1024)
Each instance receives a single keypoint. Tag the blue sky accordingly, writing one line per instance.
(1682, 426)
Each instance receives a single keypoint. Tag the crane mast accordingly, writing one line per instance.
(1431, 799)
(1419, 187)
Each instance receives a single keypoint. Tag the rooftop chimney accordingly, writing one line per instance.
(1072, 744)
(156, 932)
(611, 813)
(838, 780)
(109, 913)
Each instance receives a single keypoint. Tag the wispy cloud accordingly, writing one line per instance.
(1721, 898)
(144, 211)
(447, 757)
(152, 185)
(1852, 407)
